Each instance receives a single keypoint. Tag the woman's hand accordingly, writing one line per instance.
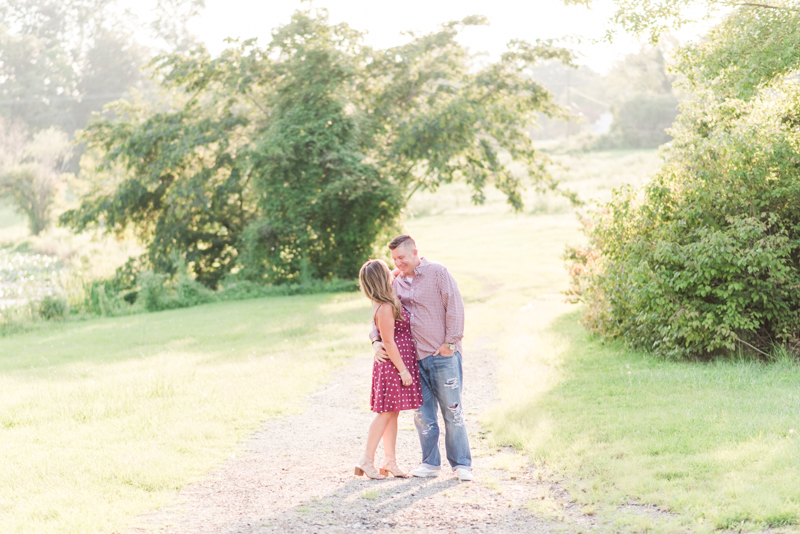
(405, 376)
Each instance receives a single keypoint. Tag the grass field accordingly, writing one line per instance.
(104, 419)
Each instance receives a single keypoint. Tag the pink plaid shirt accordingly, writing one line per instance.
(435, 306)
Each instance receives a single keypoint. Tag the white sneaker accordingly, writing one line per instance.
(425, 470)
(464, 474)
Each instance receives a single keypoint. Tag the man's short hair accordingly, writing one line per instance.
(404, 239)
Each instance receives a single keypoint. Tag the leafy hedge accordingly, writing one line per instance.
(705, 259)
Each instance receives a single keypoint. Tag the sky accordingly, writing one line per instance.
(386, 20)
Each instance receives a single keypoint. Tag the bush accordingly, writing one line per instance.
(162, 292)
(245, 289)
(53, 307)
(706, 258)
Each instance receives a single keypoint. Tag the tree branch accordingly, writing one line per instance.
(765, 6)
(752, 347)
(255, 103)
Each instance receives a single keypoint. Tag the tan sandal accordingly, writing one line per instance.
(366, 468)
(391, 467)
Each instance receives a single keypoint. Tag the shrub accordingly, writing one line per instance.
(153, 293)
(707, 256)
(53, 307)
(245, 289)
(162, 292)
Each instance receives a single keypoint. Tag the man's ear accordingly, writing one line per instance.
(416, 252)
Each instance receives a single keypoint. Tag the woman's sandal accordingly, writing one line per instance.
(367, 468)
(392, 468)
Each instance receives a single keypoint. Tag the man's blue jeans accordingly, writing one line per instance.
(441, 379)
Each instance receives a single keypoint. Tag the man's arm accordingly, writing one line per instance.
(453, 307)
(374, 335)
(377, 344)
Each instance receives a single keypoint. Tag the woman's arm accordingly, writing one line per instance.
(385, 320)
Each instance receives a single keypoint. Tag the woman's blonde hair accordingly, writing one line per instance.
(374, 281)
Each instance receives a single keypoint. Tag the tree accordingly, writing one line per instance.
(32, 171)
(705, 258)
(645, 104)
(171, 23)
(582, 91)
(62, 60)
(657, 17)
(287, 162)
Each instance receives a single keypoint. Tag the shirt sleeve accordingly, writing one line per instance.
(374, 332)
(453, 307)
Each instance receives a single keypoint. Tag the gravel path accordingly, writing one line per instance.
(296, 475)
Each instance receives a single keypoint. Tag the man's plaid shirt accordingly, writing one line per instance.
(435, 307)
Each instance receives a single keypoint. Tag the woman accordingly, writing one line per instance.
(395, 383)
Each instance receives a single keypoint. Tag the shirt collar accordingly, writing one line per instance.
(422, 263)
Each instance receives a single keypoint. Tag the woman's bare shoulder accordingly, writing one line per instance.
(384, 310)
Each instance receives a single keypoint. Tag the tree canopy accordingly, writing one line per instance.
(288, 161)
(61, 60)
(705, 259)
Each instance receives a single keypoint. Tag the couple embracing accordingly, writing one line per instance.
(418, 325)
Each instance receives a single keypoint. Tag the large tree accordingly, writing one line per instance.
(286, 162)
(61, 60)
(705, 258)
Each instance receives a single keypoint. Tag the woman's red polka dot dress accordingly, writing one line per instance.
(388, 392)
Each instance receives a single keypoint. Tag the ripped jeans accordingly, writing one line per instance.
(441, 379)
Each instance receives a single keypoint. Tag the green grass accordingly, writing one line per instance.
(103, 420)
(715, 442)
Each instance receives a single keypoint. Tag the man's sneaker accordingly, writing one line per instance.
(464, 474)
(425, 470)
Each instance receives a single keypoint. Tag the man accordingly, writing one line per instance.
(431, 296)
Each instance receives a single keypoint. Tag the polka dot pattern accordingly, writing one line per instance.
(388, 392)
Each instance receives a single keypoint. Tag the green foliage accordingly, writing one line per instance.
(53, 307)
(705, 258)
(707, 255)
(644, 105)
(641, 122)
(32, 171)
(286, 163)
(321, 206)
(159, 291)
(246, 289)
(61, 61)
(657, 17)
(746, 52)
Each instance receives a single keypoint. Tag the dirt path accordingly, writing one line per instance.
(296, 475)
